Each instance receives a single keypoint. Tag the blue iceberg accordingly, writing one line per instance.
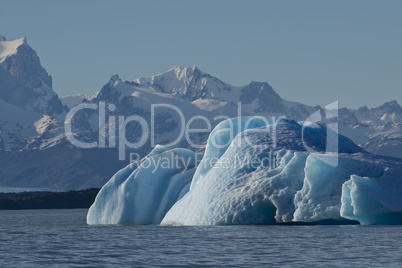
(142, 193)
(256, 171)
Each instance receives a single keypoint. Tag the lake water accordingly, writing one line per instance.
(60, 238)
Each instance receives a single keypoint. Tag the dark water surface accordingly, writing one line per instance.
(60, 238)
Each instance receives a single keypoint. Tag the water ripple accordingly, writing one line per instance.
(60, 238)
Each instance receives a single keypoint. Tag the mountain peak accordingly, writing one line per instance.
(262, 87)
(264, 94)
(391, 106)
(176, 73)
(391, 103)
(256, 83)
(114, 78)
(23, 80)
(180, 67)
(183, 73)
(189, 82)
(8, 48)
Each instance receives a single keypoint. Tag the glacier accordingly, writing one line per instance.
(256, 170)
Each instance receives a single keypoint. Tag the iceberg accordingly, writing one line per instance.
(257, 171)
(373, 200)
(142, 193)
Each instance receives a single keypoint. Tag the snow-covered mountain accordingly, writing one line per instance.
(208, 92)
(23, 81)
(33, 148)
(30, 109)
(378, 130)
(32, 118)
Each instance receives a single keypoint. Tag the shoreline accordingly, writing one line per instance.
(48, 200)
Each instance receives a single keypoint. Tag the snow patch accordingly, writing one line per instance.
(8, 48)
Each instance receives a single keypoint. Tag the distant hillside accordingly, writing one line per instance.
(48, 200)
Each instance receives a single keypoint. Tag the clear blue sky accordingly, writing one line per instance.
(313, 52)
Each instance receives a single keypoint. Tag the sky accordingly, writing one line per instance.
(314, 52)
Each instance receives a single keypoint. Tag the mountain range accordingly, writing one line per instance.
(36, 153)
